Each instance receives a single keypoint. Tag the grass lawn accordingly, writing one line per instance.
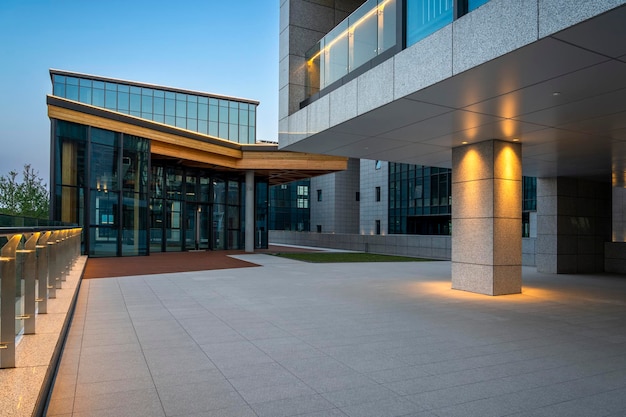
(330, 257)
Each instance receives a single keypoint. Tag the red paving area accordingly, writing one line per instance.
(169, 262)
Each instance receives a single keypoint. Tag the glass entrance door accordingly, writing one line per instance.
(198, 221)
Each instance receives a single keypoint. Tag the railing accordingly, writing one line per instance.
(34, 262)
(376, 27)
(365, 34)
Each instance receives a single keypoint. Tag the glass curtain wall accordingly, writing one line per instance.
(420, 200)
(227, 119)
(100, 181)
(290, 209)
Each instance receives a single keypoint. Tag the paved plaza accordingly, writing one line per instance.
(288, 338)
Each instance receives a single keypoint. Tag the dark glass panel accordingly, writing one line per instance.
(123, 102)
(104, 137)
(146, 104)
(203, 126)
(233, 133)
(213, 113)
(173, 230)
(243, 117)
(191, 193)
(223, 114)
(174, 183)
(203, 111)
(157, 218)
(135, 164)
(181, 107)
(104, 162)
(98, 97)
(71, 92)
(219, 226)
(192, 107)
(58, 89)
(134, 224)
(213, 129)
(170, 107)
(159, 106)
(223, 132)
(135, 103)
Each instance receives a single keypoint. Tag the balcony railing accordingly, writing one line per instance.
(34, 263)
(374, 28)
(365, 34)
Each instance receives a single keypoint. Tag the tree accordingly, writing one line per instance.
(27, 198)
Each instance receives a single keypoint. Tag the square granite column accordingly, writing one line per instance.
(487, 218)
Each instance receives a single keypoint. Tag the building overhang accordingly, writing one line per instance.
(562, 96)
(197, 150)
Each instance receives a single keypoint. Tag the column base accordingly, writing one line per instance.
(487, 279)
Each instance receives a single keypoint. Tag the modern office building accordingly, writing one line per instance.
(492, 90)
(145, 168)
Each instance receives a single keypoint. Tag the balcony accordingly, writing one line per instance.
(364, 35)
(377, 30)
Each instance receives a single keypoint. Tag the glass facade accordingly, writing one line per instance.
(420, 200)
(289, 206)
(131, 205)
(424, 17)
(375, 27)
(220, 117)
(365, 34)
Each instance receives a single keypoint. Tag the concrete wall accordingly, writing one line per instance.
(436, 247)
(338, 212)
(370, 209)
(573, 225)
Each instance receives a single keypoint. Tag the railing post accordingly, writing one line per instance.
(52, 264)
(42, 273)
(29, 259)
(7, 302)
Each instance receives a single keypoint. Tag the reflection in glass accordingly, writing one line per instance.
(223, 118)
(366, 33)
(425, 17)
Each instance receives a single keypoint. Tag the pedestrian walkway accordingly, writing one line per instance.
(326, 340)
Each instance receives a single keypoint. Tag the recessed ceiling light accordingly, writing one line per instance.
(515, 139)
(464, 142)
(556, 93)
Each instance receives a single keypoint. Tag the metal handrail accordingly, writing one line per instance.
(46, 256)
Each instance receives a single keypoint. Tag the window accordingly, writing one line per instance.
(303, 190)
(319, 195)
(283, 186)
(377, 193)
(378, 165)
(302, 203)
(319, 228)
(377, 227)
(358, 196)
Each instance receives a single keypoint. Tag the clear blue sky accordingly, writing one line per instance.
(222, 47)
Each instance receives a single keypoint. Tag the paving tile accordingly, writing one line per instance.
(385, 408)
(198, 398)
(360, 395)
(275, 392)
(292, 406)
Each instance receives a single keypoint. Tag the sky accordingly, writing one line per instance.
(222, 47)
